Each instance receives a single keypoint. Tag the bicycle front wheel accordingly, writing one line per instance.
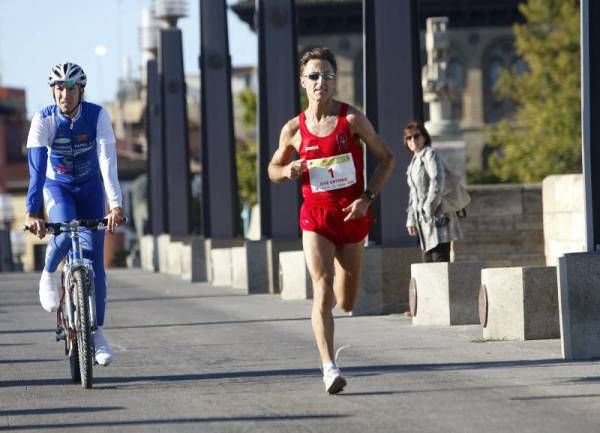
(84, 333)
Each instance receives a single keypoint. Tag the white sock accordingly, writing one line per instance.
(329, 365)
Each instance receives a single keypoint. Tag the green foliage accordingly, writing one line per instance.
(246, 151)
(247, 99)
(545, 136)
(245, 157)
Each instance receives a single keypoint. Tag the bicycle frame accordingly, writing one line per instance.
(75, 260)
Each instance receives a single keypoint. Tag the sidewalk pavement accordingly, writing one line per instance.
(199, 358)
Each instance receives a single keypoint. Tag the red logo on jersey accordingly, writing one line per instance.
(342, 144)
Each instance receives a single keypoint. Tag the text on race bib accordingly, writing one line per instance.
(331, 173)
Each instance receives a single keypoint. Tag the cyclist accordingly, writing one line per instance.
(73, 167)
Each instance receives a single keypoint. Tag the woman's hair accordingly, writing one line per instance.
(321, 53)
(413, 127)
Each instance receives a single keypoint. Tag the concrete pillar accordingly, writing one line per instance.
(278, 101)
(220, 200)
(176, 152)
(157, 209)
(392, 74)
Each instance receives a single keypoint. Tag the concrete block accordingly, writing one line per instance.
(221, 266)
(273, 248)
(163, 252)
(294, 279)
(249, 267)
(579, 300)
(194, 259)
(149, 253)
(220, 260)
(446, 293)
(174, 258)
(384, 280)
(521, 303)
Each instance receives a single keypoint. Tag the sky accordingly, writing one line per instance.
(37, 34)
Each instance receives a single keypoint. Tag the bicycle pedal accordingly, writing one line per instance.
(60, 334)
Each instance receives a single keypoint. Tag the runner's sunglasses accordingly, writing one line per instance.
(314, 76)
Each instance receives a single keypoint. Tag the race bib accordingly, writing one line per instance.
(331, 173)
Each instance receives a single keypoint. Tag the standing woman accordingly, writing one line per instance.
(426, 177)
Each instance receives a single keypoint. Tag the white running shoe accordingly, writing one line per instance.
(104, 354)
(333, 380)
(49, 297)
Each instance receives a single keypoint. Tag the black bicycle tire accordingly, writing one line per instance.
(74, 362)
(71, 353)
(84, 334)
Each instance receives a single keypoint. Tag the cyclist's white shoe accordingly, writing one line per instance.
(333, 380)
(49, 297)
(104, 354)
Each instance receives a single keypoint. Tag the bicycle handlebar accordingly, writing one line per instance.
(92, 224)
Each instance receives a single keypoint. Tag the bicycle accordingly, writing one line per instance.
(76, 314)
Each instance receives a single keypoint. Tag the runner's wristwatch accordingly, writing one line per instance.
(370, 194)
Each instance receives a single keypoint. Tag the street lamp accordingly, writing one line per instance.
(100, 52)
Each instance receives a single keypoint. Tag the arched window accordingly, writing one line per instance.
(499, 56)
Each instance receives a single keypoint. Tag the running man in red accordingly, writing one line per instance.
(335, 215)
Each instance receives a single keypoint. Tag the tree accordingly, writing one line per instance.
(545, 135)
(245, 154)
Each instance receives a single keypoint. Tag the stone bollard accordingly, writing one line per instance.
(384, 280)
(444, 293)
(519, 303)
(174, 258)
(294, 279)
(162, 243)
(194, 259)
(221, 260)
(149, 253)
(249, 267)
(579, 280)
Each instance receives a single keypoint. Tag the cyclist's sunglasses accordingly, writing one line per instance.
(68, 84)
(314, 76)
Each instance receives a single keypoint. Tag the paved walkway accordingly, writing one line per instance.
(198, 358)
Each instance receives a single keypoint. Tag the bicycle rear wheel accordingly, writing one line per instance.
(84, 334)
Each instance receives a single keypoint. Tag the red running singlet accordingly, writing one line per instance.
(333, 180)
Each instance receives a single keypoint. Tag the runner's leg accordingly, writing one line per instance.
(348, 266)
(319, 253)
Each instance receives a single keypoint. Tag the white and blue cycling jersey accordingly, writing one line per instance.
(72, 151)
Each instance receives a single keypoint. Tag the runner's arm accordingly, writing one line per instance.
(281, 166)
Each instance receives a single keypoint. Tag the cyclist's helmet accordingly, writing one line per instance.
(67, 72)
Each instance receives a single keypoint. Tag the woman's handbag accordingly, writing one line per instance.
(455, 197)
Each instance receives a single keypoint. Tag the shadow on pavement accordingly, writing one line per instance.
(174, 421)
(350, 371)
(223, 322)
(27, 361)
(58, 410)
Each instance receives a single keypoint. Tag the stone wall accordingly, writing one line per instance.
(564, 218)
(503, 226)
